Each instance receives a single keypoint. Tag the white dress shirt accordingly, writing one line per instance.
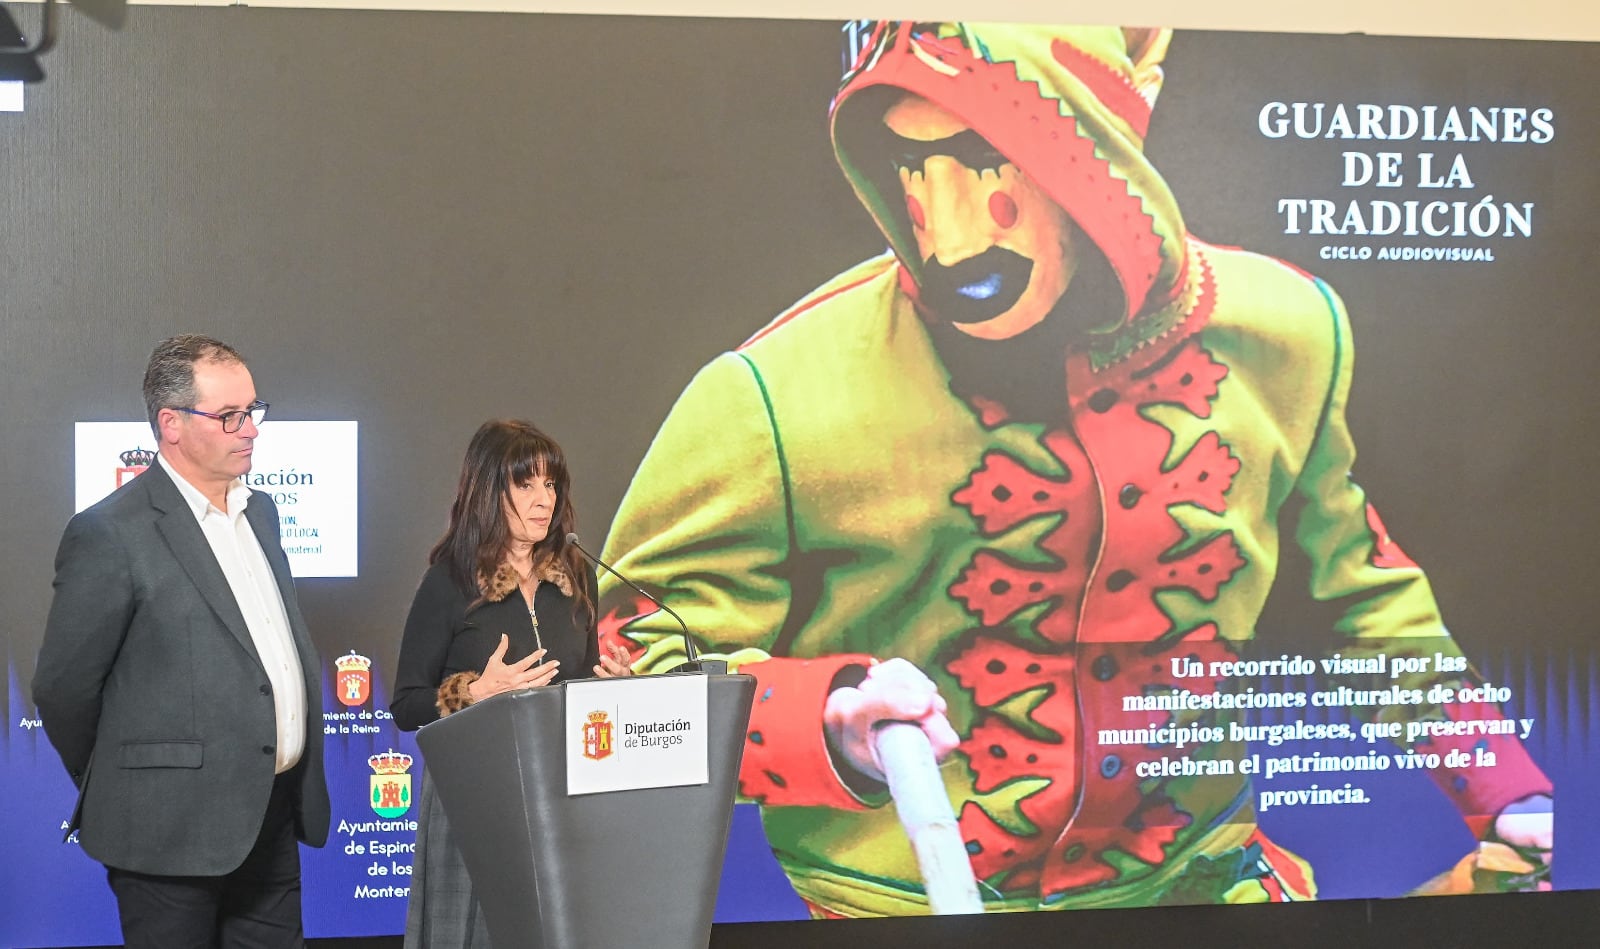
(256, 591)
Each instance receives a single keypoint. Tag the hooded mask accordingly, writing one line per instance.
(1069, 107)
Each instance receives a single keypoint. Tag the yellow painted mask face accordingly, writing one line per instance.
(997, 253)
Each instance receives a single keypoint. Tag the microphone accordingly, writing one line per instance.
(693, 661)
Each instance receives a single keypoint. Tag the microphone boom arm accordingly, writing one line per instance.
(693, 662)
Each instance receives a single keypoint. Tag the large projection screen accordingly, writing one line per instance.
(417, 221)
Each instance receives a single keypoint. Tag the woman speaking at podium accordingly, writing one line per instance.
(506, 604)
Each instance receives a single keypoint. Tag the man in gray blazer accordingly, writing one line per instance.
(177, 679)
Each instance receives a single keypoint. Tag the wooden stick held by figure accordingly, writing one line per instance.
(924, 807)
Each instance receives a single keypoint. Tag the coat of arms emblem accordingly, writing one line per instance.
(352, 681)
(391, 784)
(134, 462)
(597, 736)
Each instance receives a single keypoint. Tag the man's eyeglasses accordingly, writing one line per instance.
(233, 421)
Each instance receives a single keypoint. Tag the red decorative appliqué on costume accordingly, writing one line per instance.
(610, 627)
(1123, 493)
(1385, 552)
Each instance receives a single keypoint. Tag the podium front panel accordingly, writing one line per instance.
(614, 870)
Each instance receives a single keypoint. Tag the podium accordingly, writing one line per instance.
(611, 870)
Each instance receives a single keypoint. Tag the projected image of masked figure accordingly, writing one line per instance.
(1025, 480)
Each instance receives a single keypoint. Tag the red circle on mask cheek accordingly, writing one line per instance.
(1003, 209)
(914, 208)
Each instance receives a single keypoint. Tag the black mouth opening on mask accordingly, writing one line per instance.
(1026, 373)
(977, 289)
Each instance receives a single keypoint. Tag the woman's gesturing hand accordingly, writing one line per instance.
(498, 676)
(613, 662)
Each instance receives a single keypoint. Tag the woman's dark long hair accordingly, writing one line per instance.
(504, 453)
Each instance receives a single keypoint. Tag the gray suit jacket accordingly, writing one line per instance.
(148, 669)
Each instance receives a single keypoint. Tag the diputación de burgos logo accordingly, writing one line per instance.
(352, 679)
(596, 736)
(391, 783)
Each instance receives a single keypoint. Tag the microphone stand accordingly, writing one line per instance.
(693, 662)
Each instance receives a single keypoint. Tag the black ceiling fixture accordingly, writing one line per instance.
(19, 62)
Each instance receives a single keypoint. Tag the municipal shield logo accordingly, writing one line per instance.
(353, 679)
(597, 736)
(391, 784)
(134, 462)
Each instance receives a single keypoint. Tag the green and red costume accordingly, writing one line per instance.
(822, 497)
